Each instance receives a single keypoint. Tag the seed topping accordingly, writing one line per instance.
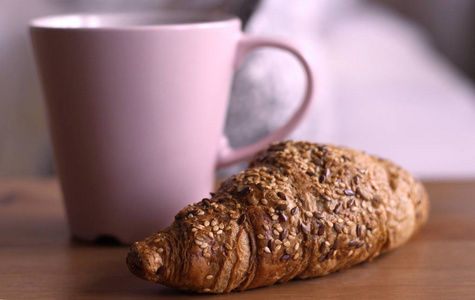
(294, 210)
(241, 220)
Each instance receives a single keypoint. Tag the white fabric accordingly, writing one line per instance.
(381, 87)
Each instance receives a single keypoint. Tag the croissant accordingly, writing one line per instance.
(300, 210)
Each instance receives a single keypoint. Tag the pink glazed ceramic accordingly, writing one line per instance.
(136, 106)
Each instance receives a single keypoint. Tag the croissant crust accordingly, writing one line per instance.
(300, 210)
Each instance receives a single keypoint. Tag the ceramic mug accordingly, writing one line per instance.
(136, 105)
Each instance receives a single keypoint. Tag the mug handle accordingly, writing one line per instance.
(227, 155)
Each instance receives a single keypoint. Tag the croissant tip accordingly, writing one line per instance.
(135, 263)
(140, 265)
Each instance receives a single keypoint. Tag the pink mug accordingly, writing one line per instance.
(136, 106)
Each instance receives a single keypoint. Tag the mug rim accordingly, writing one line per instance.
(213, 19)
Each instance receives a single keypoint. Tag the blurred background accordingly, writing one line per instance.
(396, 78)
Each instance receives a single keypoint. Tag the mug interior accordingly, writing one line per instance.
(130, 20)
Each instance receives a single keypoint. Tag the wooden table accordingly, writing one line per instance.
(39, 261)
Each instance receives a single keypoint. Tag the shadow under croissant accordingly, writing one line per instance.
(114, 280)
(123, 284)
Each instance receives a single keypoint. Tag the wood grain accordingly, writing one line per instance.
(38, 260)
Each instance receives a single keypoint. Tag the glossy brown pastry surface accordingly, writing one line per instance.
(300, 210)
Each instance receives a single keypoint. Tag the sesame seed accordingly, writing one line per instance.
(194, 229)
(340, 220)
(287, 244)
(275, 232)
(160, 250)
(227, 228)
(209, 277)
(215, 228)
(227, 246)
(275, 217)
(264, 202)
(350, 253)
(214, 222)
(266, 227)
(207, 255)
(266, 249)
(211, 235)
(363, 192)
(206, 223)
(278, 242)
(199, 243)
(345, 230)
(201, 213)
(203, 245)
(308, 214)
(296, 256)
(206, 290)
(297, 246)
(260, 236)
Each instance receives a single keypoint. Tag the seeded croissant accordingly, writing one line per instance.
(300, 210)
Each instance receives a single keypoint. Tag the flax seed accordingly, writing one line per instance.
(241, 220)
